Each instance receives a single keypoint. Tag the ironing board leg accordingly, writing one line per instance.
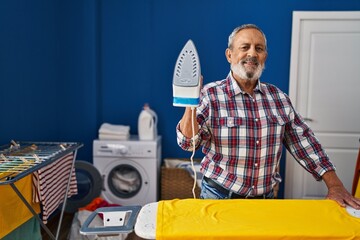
(32, 210)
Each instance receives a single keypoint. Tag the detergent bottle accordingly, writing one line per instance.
(147, 124)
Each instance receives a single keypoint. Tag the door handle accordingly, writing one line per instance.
(308, 119)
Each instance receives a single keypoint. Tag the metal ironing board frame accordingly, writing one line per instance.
(141, 221)
(11, 181)
(128, 227)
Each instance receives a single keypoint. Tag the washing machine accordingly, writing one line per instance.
(129, 169)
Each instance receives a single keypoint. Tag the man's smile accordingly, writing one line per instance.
(251, 62)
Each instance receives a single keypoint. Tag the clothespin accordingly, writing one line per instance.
(2, 156)
(33, 147)
(37, 159)
(14, 144)
(24, 160)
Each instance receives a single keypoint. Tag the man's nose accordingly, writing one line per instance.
(251, 52)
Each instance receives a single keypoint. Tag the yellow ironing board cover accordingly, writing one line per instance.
(254, 219)
(357, 191)
(13, 211)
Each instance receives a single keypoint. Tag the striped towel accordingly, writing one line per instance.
(50, 183)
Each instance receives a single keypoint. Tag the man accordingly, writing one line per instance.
(242, 124)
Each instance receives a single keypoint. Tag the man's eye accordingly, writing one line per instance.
(244, 48)
(259, 49)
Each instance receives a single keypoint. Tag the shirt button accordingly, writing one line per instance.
(256, 164)
(257, 142)
(256, 119)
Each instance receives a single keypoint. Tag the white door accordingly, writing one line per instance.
(325, 89)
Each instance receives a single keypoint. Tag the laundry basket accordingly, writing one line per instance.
(177, 183)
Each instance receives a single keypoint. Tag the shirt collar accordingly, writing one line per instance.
(236, 89)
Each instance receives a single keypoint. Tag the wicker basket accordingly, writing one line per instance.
(177, 183)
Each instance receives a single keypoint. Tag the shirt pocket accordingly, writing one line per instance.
(228, 122)
(276, 127)
(278, 119)
(227, 132)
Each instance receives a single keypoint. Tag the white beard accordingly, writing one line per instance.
(239, 70)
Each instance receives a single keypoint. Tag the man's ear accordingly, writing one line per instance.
(228, 54)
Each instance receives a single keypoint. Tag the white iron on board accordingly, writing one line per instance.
(186, 79)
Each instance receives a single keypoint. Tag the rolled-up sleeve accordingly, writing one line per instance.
(305, 147)
(186, 143)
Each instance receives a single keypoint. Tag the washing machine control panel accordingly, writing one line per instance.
(125, 148)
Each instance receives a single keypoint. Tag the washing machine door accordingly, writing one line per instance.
(88, 184)
(126, 183)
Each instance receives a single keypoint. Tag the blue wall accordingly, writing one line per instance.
(67, 66)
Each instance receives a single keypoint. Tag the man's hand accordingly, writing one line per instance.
(337, 191)
(186, 120)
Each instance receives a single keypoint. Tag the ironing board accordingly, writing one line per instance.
(245, 219)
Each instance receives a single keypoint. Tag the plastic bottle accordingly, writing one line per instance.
(147, 124)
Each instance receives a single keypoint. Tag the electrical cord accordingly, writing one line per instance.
(193, 152)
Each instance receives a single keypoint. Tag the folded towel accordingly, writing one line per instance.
(107, 128)
(103, 136)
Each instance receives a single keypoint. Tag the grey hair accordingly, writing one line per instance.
(244, 26)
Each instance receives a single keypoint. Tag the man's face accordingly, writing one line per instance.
(247, 55)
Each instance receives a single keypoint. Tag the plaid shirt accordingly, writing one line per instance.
(243, 135)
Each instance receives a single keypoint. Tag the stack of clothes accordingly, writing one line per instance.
(109, 131)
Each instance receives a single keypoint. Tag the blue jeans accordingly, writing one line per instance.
(208, 192)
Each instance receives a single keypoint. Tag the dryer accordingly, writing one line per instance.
(130, 170)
